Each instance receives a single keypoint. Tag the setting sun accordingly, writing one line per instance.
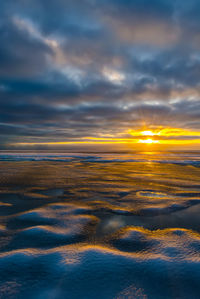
(147, 133)
(148, 141)
(138, 137)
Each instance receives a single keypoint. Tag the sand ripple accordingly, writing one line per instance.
(90, 229)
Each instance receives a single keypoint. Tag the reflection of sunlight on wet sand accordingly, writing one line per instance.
(152, 194)
(118, 226)
(112, 224)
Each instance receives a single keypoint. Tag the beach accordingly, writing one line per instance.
(99, 225)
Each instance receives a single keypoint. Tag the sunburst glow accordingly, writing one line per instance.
(153, 135)
(148, 141)
(147, 133)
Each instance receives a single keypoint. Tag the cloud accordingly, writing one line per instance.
(93, 68)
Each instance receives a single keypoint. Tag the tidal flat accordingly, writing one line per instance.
(106, 225)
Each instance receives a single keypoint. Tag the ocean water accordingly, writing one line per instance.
(100, 225)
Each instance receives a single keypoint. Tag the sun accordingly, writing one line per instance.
(148, 141)
(147, 133)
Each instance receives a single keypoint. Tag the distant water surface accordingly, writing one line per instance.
(100, 225)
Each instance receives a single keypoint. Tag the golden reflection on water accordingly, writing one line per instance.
(127, 220)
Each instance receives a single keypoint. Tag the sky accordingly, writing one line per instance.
(99, 74)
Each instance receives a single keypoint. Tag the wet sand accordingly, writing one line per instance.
(100, 226)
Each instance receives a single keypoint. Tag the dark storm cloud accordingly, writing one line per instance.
(71, 69)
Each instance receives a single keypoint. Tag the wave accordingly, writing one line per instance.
(167, 158)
